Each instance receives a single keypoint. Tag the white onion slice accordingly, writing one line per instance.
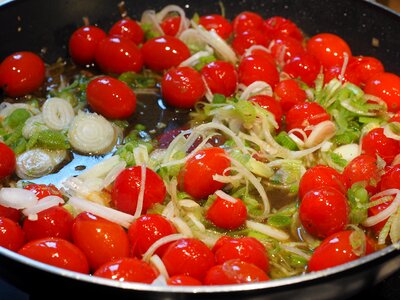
(189, 204)
(249, 51)
(149, 17)
(384, 214)
(91, 133)
(57, 113)
(225, 196)
(196, 222)
(348, 152)
(296, 251)
(387, 131)
(182, 227)
(160, 242)
(184, 23)
(17, 198)
(114, 172)
(191, 37)
(321, 132)
(44, 203)
(156, 261)
(195, 59)
(268, 230)
(140, 200)
(108, 213)
(7, 108)
(100, 169)
(257, 88)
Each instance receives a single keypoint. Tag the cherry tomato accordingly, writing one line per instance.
(335, 250)
(55, 221)
(170, 25)
(163, 53)
(118, 55)
(289, 93)
(10, 213)
(374, 210)
(387, 87)
(7, 161)
(99, 239)
(304, 115)
(329, 49)
(188, 256)
(129, 29)
(217, 23)
(221, 77)
(320, 176)
(304, 67)
(391, 178)
(276, 27)
(247, 20)
(43, 190)
(261, 52)
(270, 104)
(363, 168)
(12, 236)
(247, 249)
(226, 214)
(56, 252)
(129, 270)
(182, 87)
(246, 39)
(285, 48)
(83, 44)
(257, 68)
(126, 189)
(350, 75)
(196, 177)
(146, 230)
(183, 280)
(21, 73)
(365, 67)
(234, 271)
(111, 97)
(324, 211)
(375, 142)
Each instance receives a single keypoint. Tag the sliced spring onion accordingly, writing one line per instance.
(320, 133)
(33, 125)
(184, 23)
(387, 212)
(160, 242)
(140, 200)
(150, 17)
(156, 261)
(17, 198)
(268, 230)
(57, 113)
(256, 88)
(7, 108)
(348, 152)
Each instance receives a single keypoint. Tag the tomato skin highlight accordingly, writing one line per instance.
(182, 87)
(21, 73)
(117, 55)
(221, 77)
(257, 68)
(56, 252)
(111, 97)
(43, 190)
(8, 161)
(188, 256)
(324, 211)
(129, 29)
(129, 270)
(196, 177)
(146, 230)
(83, 44)
(99, 239)
(170, 25)
(217, 23)
(163, 53)
(12, 236)
(126, 189)
(366, 67)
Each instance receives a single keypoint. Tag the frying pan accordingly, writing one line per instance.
(44, 26)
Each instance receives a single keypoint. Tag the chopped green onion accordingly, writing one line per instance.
(16, 118)
(284, 140)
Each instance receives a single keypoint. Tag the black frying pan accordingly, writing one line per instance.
(45, 25)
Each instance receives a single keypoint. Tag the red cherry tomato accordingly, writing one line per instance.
(270, 104)
(350, 75)
(320, 176)
(83, 44)
(285, 48)
(12, 236)
(126, 189)
(146, 230)
(182, 87)
(246, 39)
(56, 252)
(99, 239)
(163, 53)
(374, 210)
(387, 87)
(226, 214)
(304, 115)
(111, 97)
(335, 250)
(329, 49)
(363, 168)
(21, 73)
(43, 190)
(217, 23)
(196, 177)
(7, 161)
(118, 55)
(276, 27)
(170, 25)
(221, 77)
(55, 221)
(183, 280)
(234, 272)
(365, 67)
(375, 142)
(257, 68)
(247, 249)
(129, 29)
(324, 211)
(263, 53)
(128, 270)
(247, 20)
(188, 256)
(391, 178)
(304, 67)
(289, 93)
(10, 213)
